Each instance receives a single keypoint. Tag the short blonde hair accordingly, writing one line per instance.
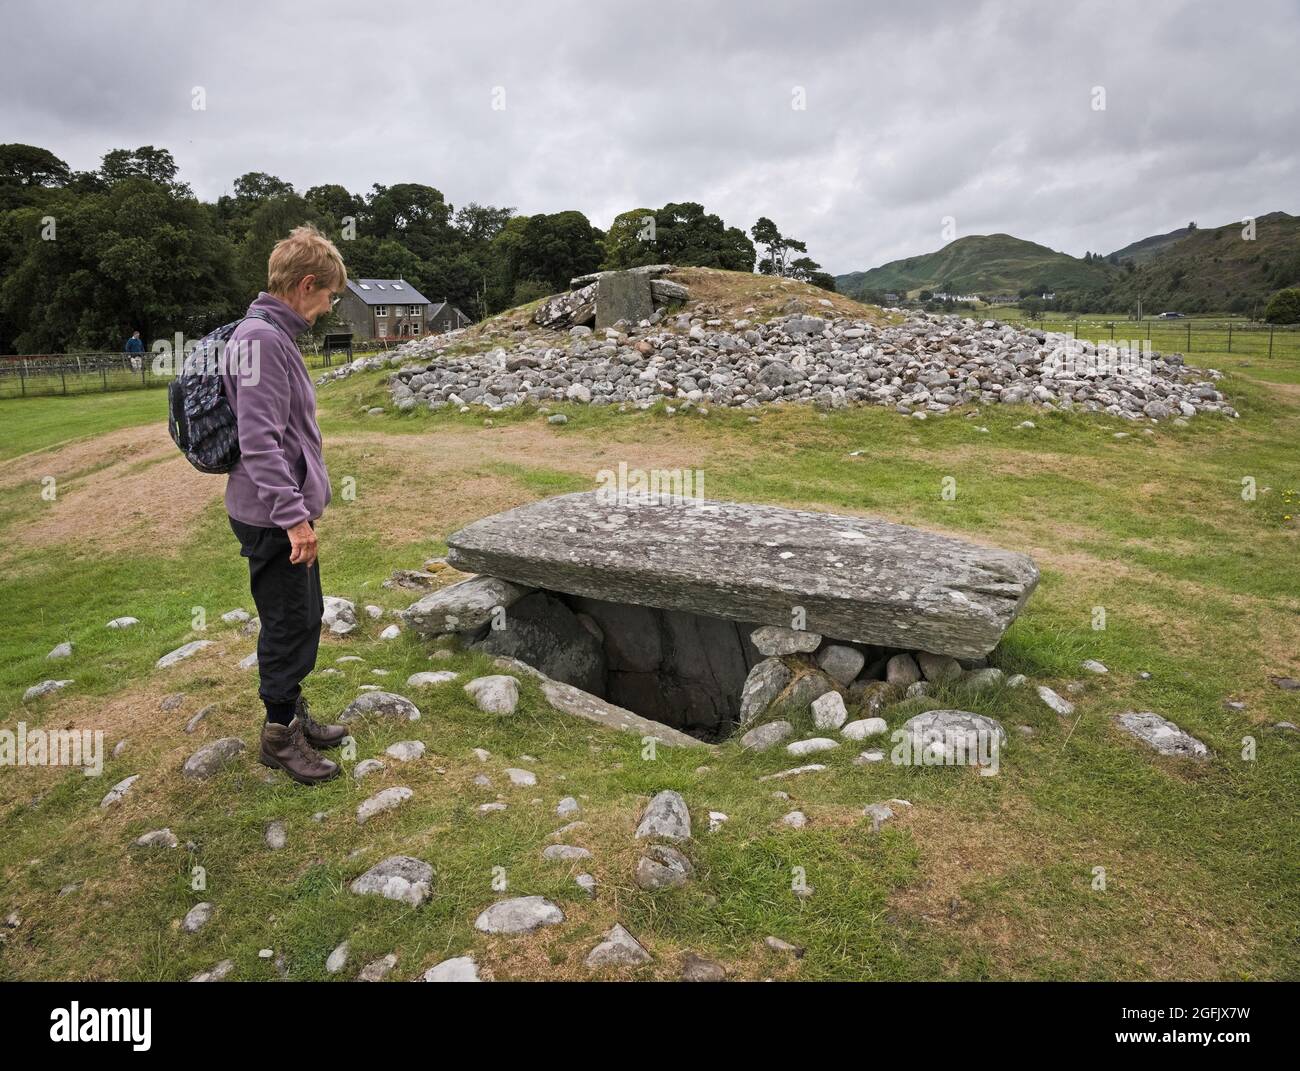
(305, 252)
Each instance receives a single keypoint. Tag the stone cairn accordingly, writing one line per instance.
(614, 339)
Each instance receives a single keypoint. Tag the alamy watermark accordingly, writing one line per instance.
(53, 747)
(641, 487)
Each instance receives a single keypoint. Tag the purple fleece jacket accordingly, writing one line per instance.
(280, 479)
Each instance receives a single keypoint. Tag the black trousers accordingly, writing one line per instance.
(289, 603)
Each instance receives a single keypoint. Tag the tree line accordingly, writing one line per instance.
(87, 257)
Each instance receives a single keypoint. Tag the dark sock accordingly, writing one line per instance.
(280, 713)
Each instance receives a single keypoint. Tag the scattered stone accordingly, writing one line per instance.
(564, 853)
(814, 767)
(462, 607)
(366, 767)
(697, 969)
(1161, 734)
(119, 790)
(618, 949)
(784, 947)
(489, 808)
(521, 778)
(390, 633)
(217, 973)
(842, 664)
(457, 969)
(276, 835)
(63, 650)
(339, 615)
(384, 704)
(158, 838)
(1059, 704)
(587, 884)
(387, 799)
(774, 641)
(337, 960)
(236, 617)
(938, 668)
(666, 816)
(768, 735)
(869, 758)
(123, 622)
(767, 680)
(1287, 684)
(210, 758)
(811, 746)
(405, 750)
(428, 680)
(496, 694)
(979, 679)
(795, 820)
(377, 970)
(567, 807)
(902, 671)
(519, 914)
(181, 653)
(663, 867)
(957, 733)
(399, 877)
(197, 917)
(195, 721)
(172, 702)
(864, 728)
(1016, 680)
(1093, 666)
(716, 820)
(44, 688)
(829, 711)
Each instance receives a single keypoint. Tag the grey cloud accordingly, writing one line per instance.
(915, 111)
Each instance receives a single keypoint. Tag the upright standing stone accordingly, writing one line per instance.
(622, 295)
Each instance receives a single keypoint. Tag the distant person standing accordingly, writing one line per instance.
(278, 489)
(135, 344)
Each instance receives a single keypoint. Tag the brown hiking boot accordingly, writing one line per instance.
(316, 734)
(285, 748)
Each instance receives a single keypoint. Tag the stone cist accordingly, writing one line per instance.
(277, 491)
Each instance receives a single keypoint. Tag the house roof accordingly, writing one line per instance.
(386, 292)
(433, 313)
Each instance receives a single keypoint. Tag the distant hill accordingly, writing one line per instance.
(1210, 269)
(980, 263)
(1146, 248)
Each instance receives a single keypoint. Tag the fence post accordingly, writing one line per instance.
(1270, 340)
(103, 374)
(63, 375)
(1229, 336)
(1189, 336)
(22, 376)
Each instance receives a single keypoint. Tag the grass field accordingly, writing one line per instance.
(1230, 336)
(984, 877)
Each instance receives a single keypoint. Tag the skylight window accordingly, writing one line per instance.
(397, 286)
(365, 286)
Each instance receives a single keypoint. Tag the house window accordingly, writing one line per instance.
(415, 329)
(415, 310)
(397, 286)
(381, 310)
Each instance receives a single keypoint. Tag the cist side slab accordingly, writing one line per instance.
(855, 578)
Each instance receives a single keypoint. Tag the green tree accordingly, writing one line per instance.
(1283, 307)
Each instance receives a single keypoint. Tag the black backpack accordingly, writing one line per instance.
(199, 416)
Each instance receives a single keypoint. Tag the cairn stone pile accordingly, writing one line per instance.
(925, 365)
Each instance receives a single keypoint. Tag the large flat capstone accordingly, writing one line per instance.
(855, 578)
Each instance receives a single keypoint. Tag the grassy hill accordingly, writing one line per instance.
(1212, 270)
(1145, 248)
(980, 263)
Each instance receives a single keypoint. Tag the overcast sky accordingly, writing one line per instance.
(979, 111)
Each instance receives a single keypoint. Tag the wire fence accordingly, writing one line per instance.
(1184, 336)
(43, 374)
